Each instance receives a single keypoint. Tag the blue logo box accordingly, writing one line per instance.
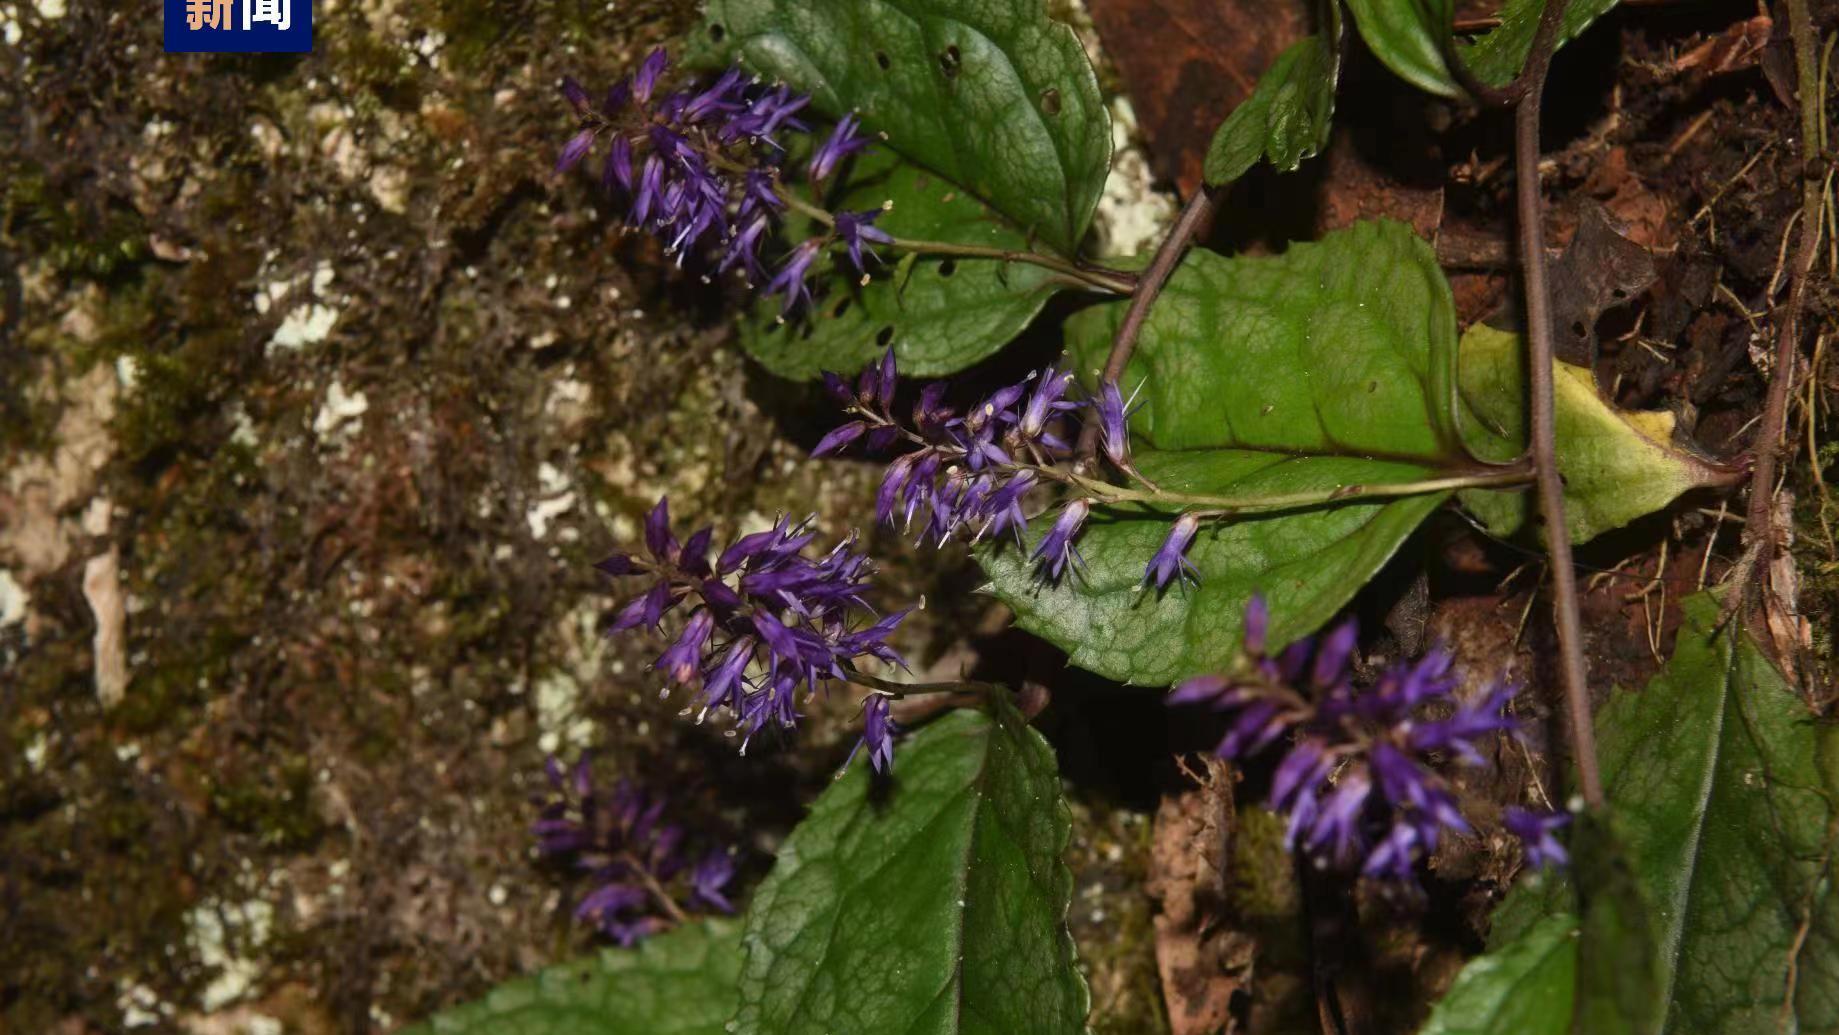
(239, 26)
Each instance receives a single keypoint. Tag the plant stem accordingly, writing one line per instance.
(1759, 531)
(1194, 218)
(902, 690)
(1113, 282)
(657, 891)
(1228, 506)
(1544, 438)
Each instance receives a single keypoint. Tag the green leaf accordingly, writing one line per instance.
(937, 907)
(1523, 988)
(992, 94)
(1287, 117)
(1409, 37)
(1306, 563)
(1341, 347)
(941, 315)
(1727, 791)
(678, 983)
(1331, 365)
(1618, 465)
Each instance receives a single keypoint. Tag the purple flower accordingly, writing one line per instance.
(645, 80)
(1170, 561)
(710, 876)
(684, 658)
(1535, 831)
(853, 228)
(1113, 414)
(574, 150)
(790, 281)
(842, 142)
(1052, 552)
(841, 436)
(878, 730)
(1357, 780)
(576, 96)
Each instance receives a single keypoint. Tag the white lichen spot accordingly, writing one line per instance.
(140, 1007)
(555, 499)
(13, 600)
(51, 10)
(389, 185)
(1132, 213)
(339, 408)
(307, 322)
(209, 927)
(497, 895)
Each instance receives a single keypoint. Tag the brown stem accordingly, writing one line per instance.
(1193, 220)
(1544, 437)
(1759, 530)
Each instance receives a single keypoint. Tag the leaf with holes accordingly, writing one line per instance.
(1329, 366)
(940, 315)
(995, 96)
(1288, 116)
(1410, 37)
(936, 906)
(1727, 792)
(1618, 465)
(678, 983)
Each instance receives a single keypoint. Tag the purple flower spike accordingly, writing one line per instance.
(1052, 552)
(1047, 401)
(636, 862)
(1359, 781)
(1535, 830)
(855, 228)
(1113, 414)
(1171, 561)
(843, 142)
(790, 280)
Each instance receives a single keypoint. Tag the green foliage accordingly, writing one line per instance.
(938, 907)
(1288, 116)
(1328, 366)
(997, 97)
(1410, 36)
(1727, 792)
(940, 315)
(1522, 988)
(679, 983)
(1618, 465)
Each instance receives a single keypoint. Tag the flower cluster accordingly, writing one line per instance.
(702, 167)
(972, 471)
(1356, 780)
(764, 620)
(639, 866)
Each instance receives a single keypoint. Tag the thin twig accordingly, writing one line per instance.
(1759, 532)
(1115, 282)
(1195, 216)
(1544, 438)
